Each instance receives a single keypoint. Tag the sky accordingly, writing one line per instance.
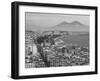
(49, 20)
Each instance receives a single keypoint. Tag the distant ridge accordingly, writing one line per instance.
(76, 22)
(63, 23)
(74, 26)
(70, 23)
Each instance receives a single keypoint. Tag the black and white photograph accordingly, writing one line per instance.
(56, 40)
(50, 40)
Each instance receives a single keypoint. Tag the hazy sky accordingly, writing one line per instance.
(48, 20)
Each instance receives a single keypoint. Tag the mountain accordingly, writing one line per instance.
(73, 26)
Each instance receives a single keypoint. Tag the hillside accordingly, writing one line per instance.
(63, 26)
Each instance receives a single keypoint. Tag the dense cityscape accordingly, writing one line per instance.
(53, 49)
